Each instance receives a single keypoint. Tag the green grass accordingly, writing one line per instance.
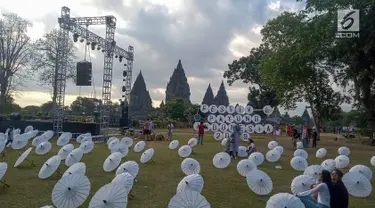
(157, 181)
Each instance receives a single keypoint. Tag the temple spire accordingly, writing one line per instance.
(140, 99)
(221, 97)
(178, 86)
(208, 98)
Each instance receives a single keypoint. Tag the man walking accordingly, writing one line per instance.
(146, 127)
(201, 127)
(314, 138)
(170, 131)
(339, 193)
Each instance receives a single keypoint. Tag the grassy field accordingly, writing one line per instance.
(157, 182)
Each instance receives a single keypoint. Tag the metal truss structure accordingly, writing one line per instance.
(109, 48)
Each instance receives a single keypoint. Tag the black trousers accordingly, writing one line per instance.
(314, 143)
(9, 141)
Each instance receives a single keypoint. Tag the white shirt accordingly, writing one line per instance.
(323, 194)
(151, 126)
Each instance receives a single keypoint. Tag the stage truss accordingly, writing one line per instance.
(109, 48)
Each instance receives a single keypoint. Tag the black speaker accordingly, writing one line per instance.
(84, 73)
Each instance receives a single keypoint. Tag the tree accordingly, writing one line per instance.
(16, 54)
(46, 107)
(176, 109)
(85, 105)
(10, 106)
(31, 109)
(47, 57)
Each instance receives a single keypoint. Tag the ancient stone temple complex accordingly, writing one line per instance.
(221, 97)
(208, 98)
(178, 86)
(140, 101)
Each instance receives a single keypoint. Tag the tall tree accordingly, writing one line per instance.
(47, 57)
(85, 105)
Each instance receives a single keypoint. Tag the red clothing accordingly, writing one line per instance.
(201, 129)
(289, 131)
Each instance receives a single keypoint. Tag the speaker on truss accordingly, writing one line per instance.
(84, 73)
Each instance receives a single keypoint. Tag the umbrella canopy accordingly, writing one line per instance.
(273, 156)
(320, 153)
(357, 184)
(329, 165)
(19, 142)
(28, 128)
(37, 140)
(257, 158)
(192, 142)
(127, 141)
(242, 151)
(280, 149)
(245, 166)
(43, 148)
(112, 139)
(298, 163)
(121, 148)
(343, 151)
(65, 150)
(221, 160)
(2, 145)
(372, 161)
(139, 146)
(82, 136)
(173, 145)
(110, 195)
(76, 168)
(194, 182)
(362, 169)
(74, 157)
(113, 142)
(187, 199)
(313, 171)
(190, 166)
(87, 146)
(185, 151)
(86, 138)
(147, 155)
(284, 200)
(299, 145)
(3, 169)
(301, 153)
(71, 191)
(259, 182)
(301, 183)
(112, 162)
(64, 139)
(49, 167)
(48, 134)
(23, 156)
(342, 161)
(224, 142)
(125, 179)
(272, 144)
(128, 167)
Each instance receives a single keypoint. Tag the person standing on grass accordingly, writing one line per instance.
(294, 138)
(201, 128)
(339, 193)
(151, 126)
(10, 136)
(170, 131)
(314, 138)
(235, 141)
(251, 147)
(146, 127)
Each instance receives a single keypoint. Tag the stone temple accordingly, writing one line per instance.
(178, 86)
(221, 97)
(140, 100)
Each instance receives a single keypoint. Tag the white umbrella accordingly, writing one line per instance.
(245, 166)
(139, 146)
(125, 179)
(357, 184)
(185, 151)
(221, 160)
(301, 183)
(280, 149)
(194, 182)
(242, 151)
(33, 133)
(112, 162)
(112, 139)
(2, 145)
(19, 142)
(128, 167)
(127, 141)
(313, 171)
(147, 155)
(188, 199)
(192, 142)
(3, 169)
(372, 161)
(37, 140)
(76, 168)
(362, 169)
(299, 145)
(49, 167)
(23, 157)
(121, 148)
(65, 150)
(64, 139)
(113, 143)
(320, 153)
(173, 145)
(86, 139)
(273, 156)
(47, 206)
(329, 165)
(82, 136)
(272, 144)
(301, 153)
(111, 195)
(28, 128)
(342, 161)
(284, 200)
(71, 191)
(343, 151)
(190, 166)
(43, 148)
(257, 158)
(87, 146)
(259, 182)
(74, 157)
(48, 134)
(298, 163)
(224, 142)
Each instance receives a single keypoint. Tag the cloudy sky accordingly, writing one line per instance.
(205, 34)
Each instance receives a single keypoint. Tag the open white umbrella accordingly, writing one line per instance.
(48, 135)
(259, 182)
(372, 160)
(71, 191)
(113, 143)
(299, 145)
(343, 151)
(298, 163)
(313, 171)
(125, 179)
(329, 165)
(194, 182)
(76, 168)
(273, 156)
(111, 195)
(64, 139)
(224, 142)
(188, 199)
(284, 200)
(139, 146)
(82, 136)
(23, 157)
(112, 162)
(19, 142)
(221, 160)
(357, 184)
(65, 150)
(272, 144)
(173, 145)
(86, 139)
(128, 167)
(190, 166)
(43, 148)
(320, 153)
(301, 153)
(121, 148)
(87, 146)
(37, 140)
(127, 141)
(342, 161)
(185, 151)
(74, 157)
(301, 183)
(257, 158)
(112, 139)
(2, 145)
(192, 142)
(242, 151)
(280, 149)
(147, 155)
(362, 169)
(49, 167)
(28, 128)
(3, 169)
(245, 166)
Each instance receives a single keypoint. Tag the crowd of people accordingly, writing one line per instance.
(308, 136)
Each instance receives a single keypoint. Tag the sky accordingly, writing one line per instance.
(206, 35)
